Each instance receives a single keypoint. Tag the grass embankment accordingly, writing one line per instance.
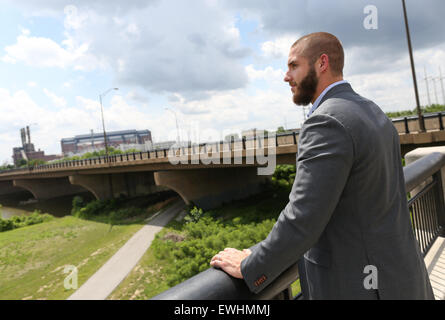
(33, 258)
(183, 249)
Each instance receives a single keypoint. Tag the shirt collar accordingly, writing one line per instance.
(317, 101)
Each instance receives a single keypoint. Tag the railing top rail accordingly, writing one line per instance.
(415, 117)
(215, 284)
(420, 170)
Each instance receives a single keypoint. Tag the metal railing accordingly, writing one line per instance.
(428, 221)
(190, 149)
(423, 179)
(409, 124)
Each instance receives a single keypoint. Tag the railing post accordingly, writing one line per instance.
(295, 137)
(440, 202)
(405, 120)
(440, 121)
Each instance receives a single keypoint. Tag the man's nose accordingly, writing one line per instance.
(286, 77)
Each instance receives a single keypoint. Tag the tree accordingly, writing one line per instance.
(231, 136)
(281, 130)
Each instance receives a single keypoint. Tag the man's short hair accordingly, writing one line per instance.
(318, 43)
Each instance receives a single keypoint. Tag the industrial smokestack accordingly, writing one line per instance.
(29, 134)
(23, 135)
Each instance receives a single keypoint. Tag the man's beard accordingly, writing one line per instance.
(306, 88)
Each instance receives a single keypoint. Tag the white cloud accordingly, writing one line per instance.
(74, 20)
(57, 101)
(41, 52)
(88, 104)
(269, 73)
(164, 50)
(279, 47)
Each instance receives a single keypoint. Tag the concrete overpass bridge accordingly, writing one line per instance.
(206, 174)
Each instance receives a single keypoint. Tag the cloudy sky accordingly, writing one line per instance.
(218, 65)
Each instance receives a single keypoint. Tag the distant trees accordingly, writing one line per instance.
(407, 113)
(232, 136)
(281, 130)
(89, 155)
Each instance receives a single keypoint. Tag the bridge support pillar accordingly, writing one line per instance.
(108, 186)
(7, 187)
(209, 188)
(43, 189)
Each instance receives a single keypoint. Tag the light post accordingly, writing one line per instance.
(427, 87)
(435, 89)
(178, 138)
(419, 112)
(103, 121)
(441, 84)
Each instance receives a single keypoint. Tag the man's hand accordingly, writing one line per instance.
(230, 261)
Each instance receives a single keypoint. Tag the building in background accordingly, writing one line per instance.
(27, 151)
(123, 140)
(162, 145)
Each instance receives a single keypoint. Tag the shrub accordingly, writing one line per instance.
(77, 204)
(203, 239)
(194, 215)
(23, 221)
(283, 177)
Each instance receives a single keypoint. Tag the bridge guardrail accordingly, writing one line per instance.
(245, 143)
(408, 124)
(427, 210)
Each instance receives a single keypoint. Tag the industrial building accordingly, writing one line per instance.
(123, 140)
(27, 151)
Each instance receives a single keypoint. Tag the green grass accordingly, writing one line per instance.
(151, 275)
(32, 259)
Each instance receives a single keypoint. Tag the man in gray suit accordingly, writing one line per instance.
(347, 221)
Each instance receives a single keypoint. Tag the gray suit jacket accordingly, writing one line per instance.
(347, 210)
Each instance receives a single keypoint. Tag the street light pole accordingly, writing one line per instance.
(441, 84)
(419, 112)
(427, 87)
(103, 121)
(177, 127)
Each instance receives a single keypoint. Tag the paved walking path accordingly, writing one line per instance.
(435, 263)
(110, 275)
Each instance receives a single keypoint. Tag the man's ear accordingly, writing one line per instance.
(323, 62)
